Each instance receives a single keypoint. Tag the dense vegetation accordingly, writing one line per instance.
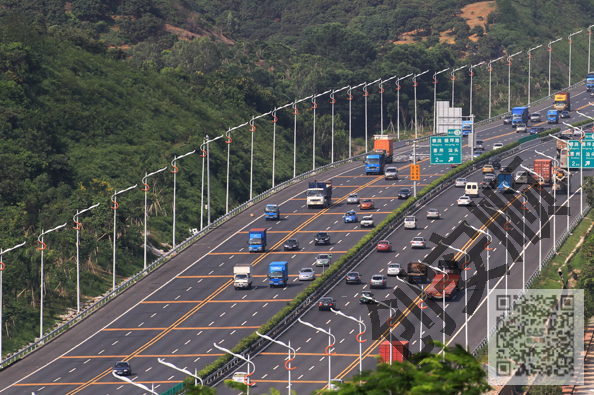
(94, 93)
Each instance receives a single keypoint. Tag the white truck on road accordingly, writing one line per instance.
(242, 276)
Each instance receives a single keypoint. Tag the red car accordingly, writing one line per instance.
(366, 204)
(384, 245)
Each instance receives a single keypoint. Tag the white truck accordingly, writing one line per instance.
(242, 276)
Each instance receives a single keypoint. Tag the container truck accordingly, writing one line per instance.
(319, 194)
(257, 240)
(466, 128)
(505, 180)
(242, 276)
(385, 146)
(544, 168)
(415, 271)
(562, 101)
(590, 82)
(552, 116)
(400, 351)
(375, 163)
(445, 284)
(278, 274)
(272, 211)
(520, 115)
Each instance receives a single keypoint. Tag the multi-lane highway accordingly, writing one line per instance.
(178, 312)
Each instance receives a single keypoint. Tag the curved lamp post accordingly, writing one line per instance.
(78, 227)
(568, 171)
(127, 380)
(2, 267)
(362, 329)
(289, 359)
(40, 241)
(423, 299)
(508, 221)
(550, 49)
(539, 213)
(207, 154)
(174, 171)
(145, 190)
(570, 41)
(392, 316)
(249, 383)
(490, 69)
(529, 63)
(509, 63)
(195, 374)
(415, 84)
(331, 342)
(525, 200)
(554, 199)
(465, 285)
(114, 198)
(471, 70)
(398, 103)
(589, 44)
(453, 77)
(435, 98)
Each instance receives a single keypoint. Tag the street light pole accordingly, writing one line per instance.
(550, 49)
(529, 62)
(490, 68)
(540, 188)
(581, 160)
(2, 267)
(525, 200)
(114, 198)
(570, 41)
(313, 107)
(331, 341)
(127, 380)
(471, 68)
(289, 359)
(508, 221)
(392, 316)
(365, 95)
(174, 171)
(589, 44)
(568, 178)
(295, 112)
(490, 240)
(40, 241)
(509, 63)
(77, 228)
(398, 103)
(248, 360)
(145, 190)
(554, 199)
(465, 286)
(435, 98)
(454, 79)
(362, 329)
(415, 84)
(207, 142)
(195, 374)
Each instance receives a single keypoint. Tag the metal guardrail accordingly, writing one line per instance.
(534, 103)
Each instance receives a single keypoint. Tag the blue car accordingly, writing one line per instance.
(350, 216)
(478, 153)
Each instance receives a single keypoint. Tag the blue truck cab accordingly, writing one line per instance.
(553, 116)
(590, 82)
(466, 128)
(278, 274)
(272, 211)
(257, 240)
(505, 180)
(520, 115)
(375, 163)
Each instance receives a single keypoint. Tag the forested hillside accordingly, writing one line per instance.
(94, 93)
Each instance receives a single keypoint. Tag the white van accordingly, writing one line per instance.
(471, 189)
(522, 177)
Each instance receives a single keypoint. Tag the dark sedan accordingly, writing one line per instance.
(366, 298)
(122, 368)
(322, 237)
(291, 244)
(404, 193)
(327, 303)
(507, 120)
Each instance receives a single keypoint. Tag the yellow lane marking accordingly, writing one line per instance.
(279, 252)
(181, 328)
(119, 357)
(315, 231)
(216, 301)
(370, 211)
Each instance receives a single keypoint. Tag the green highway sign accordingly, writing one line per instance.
(447, 149)
(576, 149)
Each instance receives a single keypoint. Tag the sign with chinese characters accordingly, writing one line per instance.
(584, 150)
(446, 149)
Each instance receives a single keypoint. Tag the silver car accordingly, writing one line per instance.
(433, 213)
(353, 199)
(460, 183)
(323, 260)
(367, 221)
(378, 281)
(307, 274)
(521, 127)
(393, 269)
(535, 117)
(391, 173)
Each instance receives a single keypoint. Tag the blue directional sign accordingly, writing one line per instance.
(584, 150)
(447, 149)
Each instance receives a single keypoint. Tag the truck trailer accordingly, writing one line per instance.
(544, 168)
(319, 194)
(445, 284)
(562, 101)
(385, 146)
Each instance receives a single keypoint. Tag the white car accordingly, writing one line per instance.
(238, 377)
(433, 213)
(464, 201)
(460, 183)
(417, 242)
(497, 146)
(393, 269)
(353, 199)
(307, 274)
(367, 221)
(410, 222)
